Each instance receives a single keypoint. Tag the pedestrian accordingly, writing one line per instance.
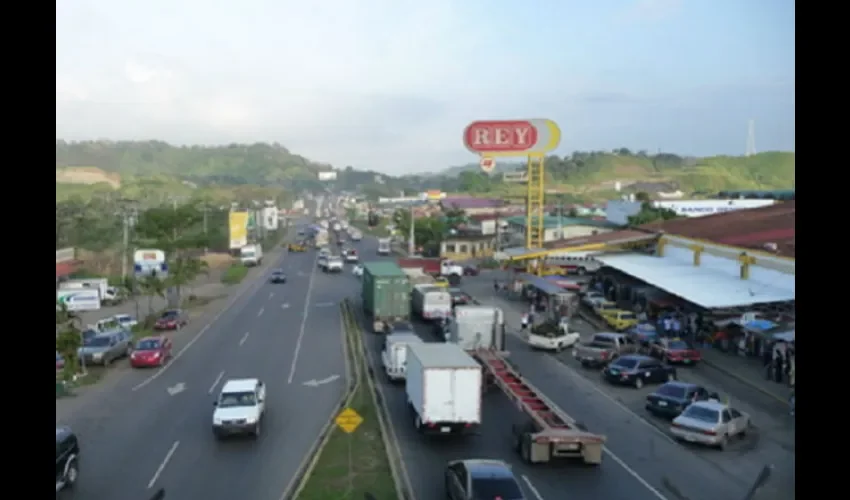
(524, 322)
(778, 362)
(496, 286)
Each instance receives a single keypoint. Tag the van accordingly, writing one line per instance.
(251, 255)
(394, 354)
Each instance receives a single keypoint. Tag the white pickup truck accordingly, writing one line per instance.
(239, 408)
(332, 264)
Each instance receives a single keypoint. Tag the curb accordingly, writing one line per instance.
(308, 463)
(745, 380)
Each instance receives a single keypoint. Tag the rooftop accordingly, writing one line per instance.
(622, 236)
(383, 268)
(463, 203)
(551, 222)
(750, 228)
(240, 385)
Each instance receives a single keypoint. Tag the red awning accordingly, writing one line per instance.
(65, 268)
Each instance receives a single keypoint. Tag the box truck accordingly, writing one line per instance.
(394, 354)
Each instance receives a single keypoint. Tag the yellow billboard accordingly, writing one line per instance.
(238, 229)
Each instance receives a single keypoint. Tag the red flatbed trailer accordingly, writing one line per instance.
(428, 265)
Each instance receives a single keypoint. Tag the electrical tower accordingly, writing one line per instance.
(751, 138)
(535, 208)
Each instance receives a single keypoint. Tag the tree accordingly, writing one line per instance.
(152, 286)
(649, 213)
(428, 231)
(68, 340)
(182, 271)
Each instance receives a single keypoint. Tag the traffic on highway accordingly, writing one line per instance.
(474, 406)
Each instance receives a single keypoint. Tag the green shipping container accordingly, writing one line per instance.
(386, 294)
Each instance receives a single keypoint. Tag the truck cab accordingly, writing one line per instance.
(239, 408)
(251, 255)
(384, 246)
(394, 354)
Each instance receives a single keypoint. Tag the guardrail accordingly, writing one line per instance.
(65, 254)
(352, 377)
(398, 470)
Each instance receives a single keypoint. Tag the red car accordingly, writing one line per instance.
(173, 319)
(151, 351)
(675, 351)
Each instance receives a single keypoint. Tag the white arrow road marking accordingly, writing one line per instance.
(215, 383)
(285, 305)
(260, 313)
(243, 339)
(176, 389)
(163, 464)
(317, 383)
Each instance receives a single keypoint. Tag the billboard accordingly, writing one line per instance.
(149, 262)
(329, 175)
(270, 218)
(238, 223)
(79, 300)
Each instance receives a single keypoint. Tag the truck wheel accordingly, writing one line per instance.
(256, 431)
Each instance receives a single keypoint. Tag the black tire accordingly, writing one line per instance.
(72, 473)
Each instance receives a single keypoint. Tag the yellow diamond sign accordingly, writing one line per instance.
(348, 420)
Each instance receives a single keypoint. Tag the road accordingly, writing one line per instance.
(142, 437)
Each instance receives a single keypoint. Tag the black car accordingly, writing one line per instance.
(459, 297)
(672, 398)
(67, 458)
(637, 371)
(277, 277)
(472, 479)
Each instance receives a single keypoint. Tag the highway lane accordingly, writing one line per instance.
(128, 450)
(425, 458)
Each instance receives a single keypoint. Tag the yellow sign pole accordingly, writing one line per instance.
(348, 421)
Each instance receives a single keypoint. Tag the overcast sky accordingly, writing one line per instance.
(391, 84)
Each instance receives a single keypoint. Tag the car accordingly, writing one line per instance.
(333, 264)
(171, 319)
(151, 351)
(350, 255)
(277, 276)
(125, 321)
(357, 270)
(675, 351)
(672, 398)
(591, 298)
(474, 479)
(67, 458)
(459, 297)
(637, 370)
(471, 270)
(106, 347)
(710, 423)
(239, 408)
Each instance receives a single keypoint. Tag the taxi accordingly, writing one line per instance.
(620, 320)
(441, 282)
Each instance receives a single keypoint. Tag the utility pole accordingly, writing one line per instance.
(411, 239)
(560, 217)
(125, 243)
(206, 250)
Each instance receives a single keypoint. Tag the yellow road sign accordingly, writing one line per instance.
(348, 420)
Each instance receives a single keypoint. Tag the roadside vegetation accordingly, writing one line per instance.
(234, 274)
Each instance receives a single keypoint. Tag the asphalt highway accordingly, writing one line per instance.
(426, 458)
(143, 437)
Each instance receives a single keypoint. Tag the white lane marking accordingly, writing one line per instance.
(163, 464)
(254, 288)
(243, 339)
(285, 305)
(215, 383)
(531, 487)
(271, 294)
(303, 326)
(635, 475)
(260, 313)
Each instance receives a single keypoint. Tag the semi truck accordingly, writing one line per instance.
(430, 302)
(477, 327)
(443, 385)
(385, 294)
(435, 267)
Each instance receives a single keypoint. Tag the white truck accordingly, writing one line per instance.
(430, 302)
(239, 408)
(321, 238)
(251, 255)
(383, 246)
(108, 295)
(477, 327)
(443, 386)
(78, 299)
(332, 264)
(394, 354)
(355, 234)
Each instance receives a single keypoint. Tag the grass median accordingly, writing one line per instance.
(234, 274)
(351, 465)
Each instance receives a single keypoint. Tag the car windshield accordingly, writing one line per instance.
(247, 254)
(236, 399)
(495, 487)
(702, 414)
(169, 315)
(625, 363)
(672, 391)
(147, 345)
(123, 319)
(98, 342)
(679, 345)
(606, 307)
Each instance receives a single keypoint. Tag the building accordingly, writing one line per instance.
(619, 211)
(472, 206)
(467, 245)
(559, 228)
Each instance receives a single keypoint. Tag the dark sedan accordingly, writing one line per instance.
(672, 398)
(637, 371)
(278, 277)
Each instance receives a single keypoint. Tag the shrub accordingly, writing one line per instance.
(234, 274)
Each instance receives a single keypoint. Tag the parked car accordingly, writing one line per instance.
(479, 478)
(637, 370)
(151, 351)
(675, 350)
(672, 398)
(67, 458)
(105, 348)
(710, 423)
(172, 319)
(125, 321)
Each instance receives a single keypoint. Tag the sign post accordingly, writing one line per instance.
(348, 421)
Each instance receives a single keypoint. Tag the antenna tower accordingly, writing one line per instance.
(751, 138)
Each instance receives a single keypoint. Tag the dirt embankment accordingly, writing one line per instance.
(87, 175)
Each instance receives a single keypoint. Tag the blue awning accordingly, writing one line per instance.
(541, 284)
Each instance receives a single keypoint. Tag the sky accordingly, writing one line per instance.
(389, 85)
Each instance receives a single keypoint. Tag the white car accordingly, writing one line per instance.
(592, 298)
(239, 408)
(333, 264)
(350, 255)
(125, 320)
(710, 423)
(357, 270)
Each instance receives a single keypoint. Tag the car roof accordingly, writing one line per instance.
(240, 385)
(637, 357)
(152, 337)
(483, 468)
(677, 383)
(711, 404)
(122, 316)
(62, 432)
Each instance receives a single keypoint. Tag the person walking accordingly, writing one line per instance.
(524, 322)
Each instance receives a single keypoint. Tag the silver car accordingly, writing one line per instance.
(710, 423)
(106, 347)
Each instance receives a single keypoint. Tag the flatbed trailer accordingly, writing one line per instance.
(549, 433)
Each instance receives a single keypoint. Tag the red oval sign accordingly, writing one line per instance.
(500, 136)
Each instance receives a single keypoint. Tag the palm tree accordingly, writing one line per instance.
(152, 286)
(183, 272)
